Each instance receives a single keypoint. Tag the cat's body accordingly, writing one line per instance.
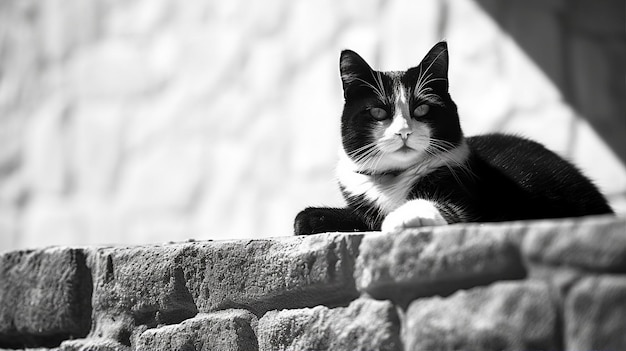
(406, 163)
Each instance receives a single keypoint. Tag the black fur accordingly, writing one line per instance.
(504, 178)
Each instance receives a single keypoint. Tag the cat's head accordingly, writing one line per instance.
(394, 120)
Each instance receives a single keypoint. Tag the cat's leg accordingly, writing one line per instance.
(414, 213)
(314, 220)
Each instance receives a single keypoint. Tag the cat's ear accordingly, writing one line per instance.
(353, 68)
(435, 65)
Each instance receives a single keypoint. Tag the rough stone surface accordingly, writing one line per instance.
(148, 286)
(303, 292)
(591, 243)
(437, 260)
(138, 287)
(45, 297)
(560, 279)
(595, 314)
(503, 316)
(224, 330)
(94, 344)
(363, 325)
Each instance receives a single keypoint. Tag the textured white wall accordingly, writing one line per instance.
(149, 121)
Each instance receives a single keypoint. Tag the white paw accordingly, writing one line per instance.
(415, 213)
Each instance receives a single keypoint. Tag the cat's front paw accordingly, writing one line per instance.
(415, 213)
(315, 220)
(309, 221)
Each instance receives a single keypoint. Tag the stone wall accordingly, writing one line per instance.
(543, 285)
(144, 121)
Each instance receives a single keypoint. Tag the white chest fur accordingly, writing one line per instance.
(389, 192)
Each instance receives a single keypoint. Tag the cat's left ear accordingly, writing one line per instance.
(434, 66)
(353, 68)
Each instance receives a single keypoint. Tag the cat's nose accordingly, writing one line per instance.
(404, 134)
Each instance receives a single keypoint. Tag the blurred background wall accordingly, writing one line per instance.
(143, 121)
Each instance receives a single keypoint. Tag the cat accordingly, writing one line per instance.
(406, 163)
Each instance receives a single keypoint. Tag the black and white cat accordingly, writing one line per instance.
(405, 161)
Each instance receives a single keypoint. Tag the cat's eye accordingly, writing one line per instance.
(378, 113)
(421, 110)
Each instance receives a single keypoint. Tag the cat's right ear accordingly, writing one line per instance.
(353, 68)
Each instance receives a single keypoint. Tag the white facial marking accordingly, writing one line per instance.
(400, 138)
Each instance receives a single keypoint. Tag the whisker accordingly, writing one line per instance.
(450, 168)
(421, 83)
(435, 59)
(443, 148)
(379, 81)
(361, 149)
(378, 92)
(423, 78)
(367, 156)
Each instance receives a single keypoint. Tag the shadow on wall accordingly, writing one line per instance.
(581, 46)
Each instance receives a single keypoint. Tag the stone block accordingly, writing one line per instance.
(595, 243)
(560, 279)
(147, 286)
(45, 297)
(595, 314)
(224, 330)
(437, 260)
(363, 325)
(503, 316)
(93, 345)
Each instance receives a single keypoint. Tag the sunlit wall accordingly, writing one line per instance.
(147, 121)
